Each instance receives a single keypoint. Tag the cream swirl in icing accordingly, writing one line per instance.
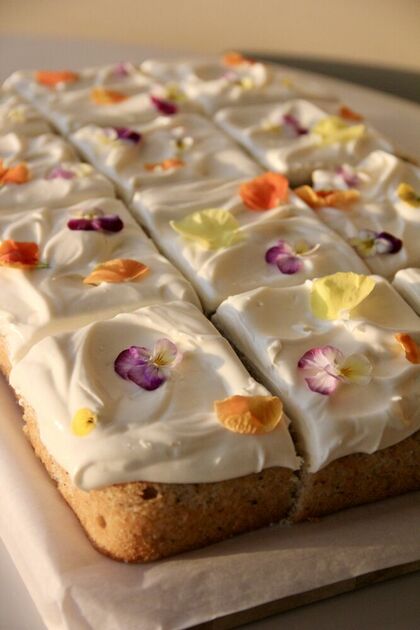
(407, 282)
(168, 435)
(16, 116)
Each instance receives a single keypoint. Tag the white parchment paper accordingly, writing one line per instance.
(76, 588)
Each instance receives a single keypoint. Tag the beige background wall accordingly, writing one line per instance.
(376, 31)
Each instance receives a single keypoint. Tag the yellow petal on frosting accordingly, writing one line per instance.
(407, 193)
(83, 422)
(334, 129)
(334, 296)
(211, 229)
(249, 415)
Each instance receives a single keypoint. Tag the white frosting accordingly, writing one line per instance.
(214, 85)
(407, 282)
(210, 154)
(41, 154)
(379, 208)
(19, 117)
(216, 274)
(275, 327)
(40, 302)
(168, 435)
(281, 150)
(56, 192)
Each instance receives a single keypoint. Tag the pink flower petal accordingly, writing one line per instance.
(321, 368)
(289, 264)
(129, 358)
(80, 224)
(147, 376)
(58, 172)
(109, 223)
(322, 383)
(163, 107)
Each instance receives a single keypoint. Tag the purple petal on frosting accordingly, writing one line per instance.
(128, 359)
(321, 367)
(164, 107)
(280, 249)
(387, 243)
(349, 178)
(322, 383)
(289, 264)
(292, 122)
(122, 69)
(108, 223)
(124, 133)
(58, 172)
(80, 223)
(147, 376)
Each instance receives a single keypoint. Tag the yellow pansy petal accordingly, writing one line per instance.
(211, 229)
(84, 421)
(334, 129)
(335, 295)
(250, 415)
(356, 369)
(407, 193)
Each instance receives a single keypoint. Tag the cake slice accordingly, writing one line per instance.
(407, 282)
(155, 434)
(297, 137)
(343, 353)
(62, 268)
(230, 237)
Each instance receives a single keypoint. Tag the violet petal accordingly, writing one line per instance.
(58, 172)
(322, 383)
(289, 264)
(164, 107)
(147, 376)
(387, 243)
(292, 122)
(274, 252)
(124, 133)
(129, 358)
(108, 223)
(80, 224)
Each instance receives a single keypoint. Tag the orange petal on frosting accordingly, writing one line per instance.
(322, 198)
(51, 78)
(265, 192)
(410, 347)
(233, 58)
(117, 270)
(18, 174)
(348, 114)
(165, 165)
(18, 254)
(250, 415)
(100, 96)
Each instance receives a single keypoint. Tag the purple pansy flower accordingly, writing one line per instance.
(292, 123)
(145, 368)
(287, 258)
(125, 133)
(348, 175)
(96, 221)
(163, 107)
(326, 367)
(122, 69)
(369, 243)
(59, 172)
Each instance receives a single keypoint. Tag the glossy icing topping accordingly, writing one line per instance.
(104, 429)
(276, 330)
(16, 116)
(407, 282)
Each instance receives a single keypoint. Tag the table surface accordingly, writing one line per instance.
(392, 605)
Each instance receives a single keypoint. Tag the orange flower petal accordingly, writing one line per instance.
(410, 347)
(233, 58)
(165, 165)
(18, 174)
(18, 254)
(51, 78)
(250, 415)
(100, 96)
(348, 114)
(117, 270)
(265, 192)
(322, 198)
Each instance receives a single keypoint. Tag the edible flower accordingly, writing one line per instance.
(334, 129)
(59, 172)
(52, 78)
(265, 192)
(101, 96)
(83, 422)
(369, 243)
(326, 367)
(148, 369)
(122, 69)
(293, 124)
(163, 106)
(20, 255)
(336, 295)
(348, 114)
(165, 165)
(410, 347)
(213, 228)
(333, 198)
(233, 58)
(249, 415)
(348, 175)
(96, 221)
(18, 174)
(125, 133)
(287, 258)
(407, 193)
(174, 93)
(180, 142)
(116, 271)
